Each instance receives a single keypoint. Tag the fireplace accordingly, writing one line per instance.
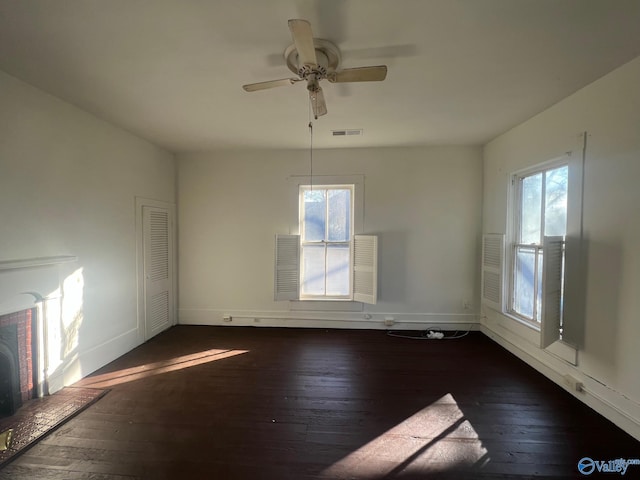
(17, 358)
(31, 315)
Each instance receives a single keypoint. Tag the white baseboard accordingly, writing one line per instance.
(328, 319)
(79, 365)
(614, 406)
(55, 382)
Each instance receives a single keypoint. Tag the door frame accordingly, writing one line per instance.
(141, 202)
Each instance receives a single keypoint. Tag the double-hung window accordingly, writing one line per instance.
(541, 211)
(326, 228)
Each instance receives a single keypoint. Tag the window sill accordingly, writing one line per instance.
(532, 325)
(559, 349)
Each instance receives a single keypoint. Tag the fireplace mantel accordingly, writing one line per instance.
(25, 280)
(35, 262)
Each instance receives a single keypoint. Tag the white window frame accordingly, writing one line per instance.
(326, 244)
(513, 245)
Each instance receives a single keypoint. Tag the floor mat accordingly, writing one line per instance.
(38, 417)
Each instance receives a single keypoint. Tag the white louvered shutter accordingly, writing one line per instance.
(286, 283)
(552, 256)
(365, 268)
(492, 269)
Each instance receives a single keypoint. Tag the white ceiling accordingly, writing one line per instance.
(170, 71)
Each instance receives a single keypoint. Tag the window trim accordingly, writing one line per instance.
(513, 228)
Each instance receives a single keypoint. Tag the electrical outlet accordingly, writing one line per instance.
(466, 304)
(226, 318)
(573, 383)
(389, 321)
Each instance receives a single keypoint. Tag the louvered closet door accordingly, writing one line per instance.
(158, 303)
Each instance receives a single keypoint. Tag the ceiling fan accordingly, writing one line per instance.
(314, 59)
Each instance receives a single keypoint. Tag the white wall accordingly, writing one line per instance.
(607, 331)
(68, 183)
(424, 203)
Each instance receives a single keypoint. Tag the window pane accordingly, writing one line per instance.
(313, 270)
(339, 215)
(555, 204)
(338, 270)
(531, 200)
(524, 281)
(314, 215)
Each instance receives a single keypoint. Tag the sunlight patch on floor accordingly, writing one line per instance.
(157, 368)
(436, 438)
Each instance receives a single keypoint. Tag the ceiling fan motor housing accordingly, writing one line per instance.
(327, 56)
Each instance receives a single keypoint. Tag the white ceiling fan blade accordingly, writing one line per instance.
(303, 40)
(317, 102)
(252, 87)
(360, 74)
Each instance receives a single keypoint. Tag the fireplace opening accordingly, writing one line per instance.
(17, 360)
(10, 398)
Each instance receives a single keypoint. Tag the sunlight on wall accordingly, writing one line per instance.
(72, 311)
(434, 439)
(63, 316)
(52, 332)
(137, 373)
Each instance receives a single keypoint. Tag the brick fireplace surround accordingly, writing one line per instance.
(16, 336)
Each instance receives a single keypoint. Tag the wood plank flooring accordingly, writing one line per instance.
(262, 403)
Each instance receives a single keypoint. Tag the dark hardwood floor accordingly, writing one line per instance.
(262, 403)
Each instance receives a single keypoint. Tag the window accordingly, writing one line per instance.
(326, 228)
(328, 261)
(541, 211)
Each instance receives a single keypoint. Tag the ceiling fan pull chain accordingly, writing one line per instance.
(311, 154)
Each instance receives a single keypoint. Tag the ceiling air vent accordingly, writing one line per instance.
(347, 133)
